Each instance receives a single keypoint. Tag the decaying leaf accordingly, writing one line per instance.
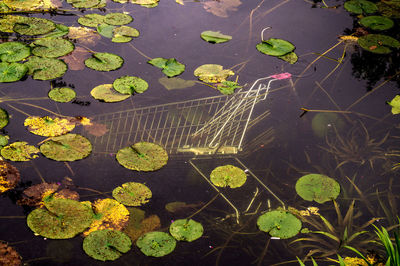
(76, 59)
(180, 207)
(176, 83)
(138, 225)
(9, 176)
(84, 35)
(8, 255)
(96, 129)
(220, 8)
(212, 73)
(19, 151)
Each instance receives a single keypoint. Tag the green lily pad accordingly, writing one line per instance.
(324, 123)
(377, 22)
(144, 3)
(212, 73)
(378, 43)
(62, 95)
(45, 68)
(69, 147)
(132, 194)
(33, 26)
(106, 93)
(106, 244)
(62, 218)
(91, 20)
(3, 140)
(19, 151)
(47, 126)
(360, 7)
(7, 22)
(104, 62)
(228, 175)
(291, 57)
(228, 87)
(52, 47)
(186, 230)
(10, 72)
(275, 47)
(117, 19)
(124, 34)
(13, 51)
(106, 30)
(394, 103)
(142, 156)
(279, 223)
(170, 67)
(4, 118)
(84, 3)
(176, 83)
(130, 84)
(59, 31)
(156, 244)
(319, 188)
(27, 5)
(215, 36)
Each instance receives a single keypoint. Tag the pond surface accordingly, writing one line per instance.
(329, 117)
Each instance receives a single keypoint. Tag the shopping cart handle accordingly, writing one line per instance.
(285, 75)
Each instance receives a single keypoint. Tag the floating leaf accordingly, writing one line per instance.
(275, 47)
(319, 188)
(106, 93)
(13, 51)
(75, 60)
(8, 255)
(45, 68)
(60, 30)
(124, 34)
(279, 223)
(7, 23)
(26, 5)
(212, 73)
(395, 104)
(228, 87)
(139, 225)
(33, 26)
(62, 95)
(10, 72)
(19, 151)
(176, 83)
(132, 194)
(291, 57)
(106, 244)
(142, 156)
(156, 244)
(378, 43)
(170, 67)
(220, 8)
(228, 175)
(106, 30)
(69, 147)
(91, 20)
(117, 19)
(83, 35)
(62, 218)
(84, 3)
(215, 36)
(4, 118)
(377, 22)
(9, 176)
(104, 62)
(186, 230)
(109, 214)
(144, 3)
(3, 141)
(47, 126)
(52, 47)
(130, 84)
(360, 6)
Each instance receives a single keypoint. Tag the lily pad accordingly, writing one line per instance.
(9, 177)
(132, 194)
(291, 57)
(144, 3)
(377, 22)
(4, 118)
(124, 34)
(138, 225)
(7, 22)
(19, 151)
(228, 175)
(228, 87)
(91, 20)
(279, 223)
(142, 156)
(378, 43)
(186, 230)
(275, 47)
(395, 104)
(156, 244)
(52, 47)
(3, 140)
(47, 126)
(106, 30)
(212, 73)
(59, 31)
(27, 5)
(104, 62)
(69, 147)
(62, 218)
(130, 84)
(170, 67)
(106, 244)
(106, 93)
(360, 7)
(109, 214)
(117, 19)
(317, 187)
(215, 36)
(389, 9)
(33, 26)
(84, 3)
(13, 51)
(45, 68)
(10, 72)
(62, 95)
(176, 83)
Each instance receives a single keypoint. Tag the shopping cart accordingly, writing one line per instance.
(203, 128)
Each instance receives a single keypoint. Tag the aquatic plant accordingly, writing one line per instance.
(132, 194)
(170, 67)
(279, 223)
(186, 230)
(9, 176)
(8, 255)
(317, 187)
(228, 176)
(156, 244)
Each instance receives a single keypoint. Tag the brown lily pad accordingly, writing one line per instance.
(9, 176)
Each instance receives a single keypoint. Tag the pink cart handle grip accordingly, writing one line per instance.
(285, 75)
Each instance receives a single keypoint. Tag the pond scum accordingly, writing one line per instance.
(335, 216)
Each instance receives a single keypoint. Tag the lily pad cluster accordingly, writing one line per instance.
(279, 48)
(228, 176)
(279, 223)
(170, 67)
(317, 187)
(10, 54)
(132, 194)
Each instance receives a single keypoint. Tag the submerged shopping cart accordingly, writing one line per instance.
(205, 129)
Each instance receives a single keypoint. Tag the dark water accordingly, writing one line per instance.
(277, 159)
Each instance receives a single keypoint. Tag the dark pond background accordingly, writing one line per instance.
(172, 30)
